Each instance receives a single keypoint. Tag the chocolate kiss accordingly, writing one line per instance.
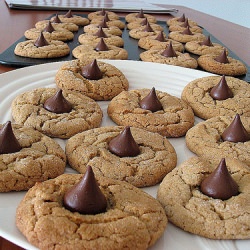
(182, 18)
(185, 24)
(106, 17)
(221, 91)
(220, 184)
(103, 24)
(56, 19)
(49, 28)
(187, 31)
(148, 28)
(222, 58)
(8, 142)
(169, 51)
(85, 197)
(140, 14)
(144, 22)
(235, 132)
(92, 71)
(151, 102)
(101, 46)
(68, 14)
(124, 144)
(41, 41)
(160, 37)
(57, 103)
(102, 12)
(101, 33)
(207, 42)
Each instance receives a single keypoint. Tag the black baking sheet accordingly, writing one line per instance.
(131, 45)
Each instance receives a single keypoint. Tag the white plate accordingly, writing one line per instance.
(140, 75)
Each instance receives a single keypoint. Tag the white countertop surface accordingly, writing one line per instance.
(235, 11)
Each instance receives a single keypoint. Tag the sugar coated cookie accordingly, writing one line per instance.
(29, 109)
(173, 120)
(189, 208)
(39, 158)
(156, 156)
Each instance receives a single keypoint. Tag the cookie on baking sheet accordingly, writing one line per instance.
(181, 59)
(30, 110)
(159, 41)
(93, 29)
(40, 158)
(84, 52)
(69, 26)
(69, 17)
(197, 95)
(205, 139)
(53, 49)
(91, 39)
(117, 23)
(173, 120)
(58, 34)
(231, 67)
(139, 17)
(143, 31)
(187, 207)
(176, 27)
(132, 220)
(101, 14)
(136, 24)
(180, 21)
(186, 36)
(111, 83)
(156, 158)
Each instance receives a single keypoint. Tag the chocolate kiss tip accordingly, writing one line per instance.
(169, 51)
(235, 132)
(182, 18)
(185, 24)
(220, 184)
(101, 46)
(103, 24)
(187, 31)
(106, 17)
(49, 28)
(100, 33)
(92, 71)
(144, 22)
(85, 197)
(140, 14)
(57, 104)
(148, 28)
(124, 144)
(222, 58)
(102, 12)
(41, 41)
(221, 91)
(8, 142)
(160, 37)
(56, 19)
(68, 14)
(207, 42)
(151, 102)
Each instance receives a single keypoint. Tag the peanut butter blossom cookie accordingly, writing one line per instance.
(101, 14)
(56, 113)
(181, 20)
(134, 155)
(217, 95)
(93, 28)
(41, 48)
(208, 198)
(153, 110)
(88, 212)
(27, 156)
(219, 136)
(222, 64)
(98, 80)
(139, 17)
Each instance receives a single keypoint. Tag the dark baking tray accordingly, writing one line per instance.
(131, 45)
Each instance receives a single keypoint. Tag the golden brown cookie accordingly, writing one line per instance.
(69, 26)
(40, 158)
(54, 49)
(188, 208)
(139, 17)
(205, 139)
(173, 121)
(177, 27)
(157, 156)
(100, 15)
(182, 59)
(111, 84)
(233, 67)
(133, 219)
(140, 32)
(117, 23)
(91, 39)
(180, 20)
(197, 95)
(76, 19)
(184, 38)
(93, 29)
(84, 52)
(28, 109)
(58, 34)
(136, 24)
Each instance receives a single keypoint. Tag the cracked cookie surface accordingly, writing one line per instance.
(111, 84)
(27, 109)
(197, 95)
(133, 219)
(184, 38)
(40, 158)
(204, 139)
(188, 208)
(173, 121)
(157, 156)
